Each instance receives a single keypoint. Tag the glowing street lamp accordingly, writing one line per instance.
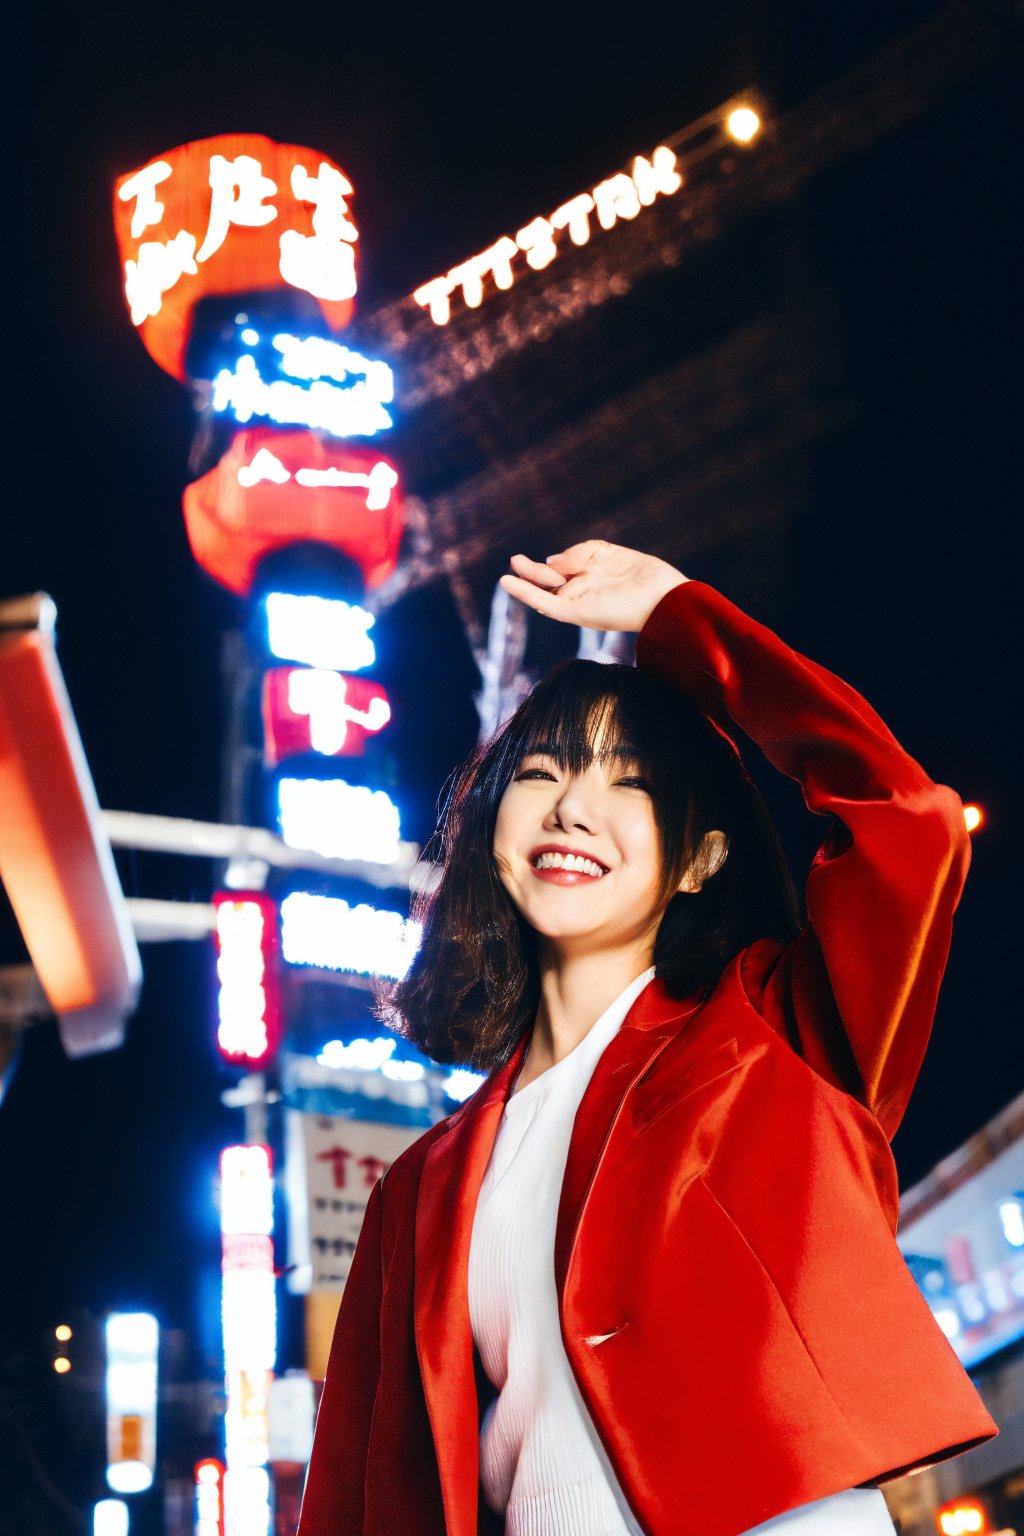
(743, 124)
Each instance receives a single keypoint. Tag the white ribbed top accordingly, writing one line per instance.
(541, 1460)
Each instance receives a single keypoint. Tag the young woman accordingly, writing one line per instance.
(645, 1279)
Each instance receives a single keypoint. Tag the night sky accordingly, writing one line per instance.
(453, 132)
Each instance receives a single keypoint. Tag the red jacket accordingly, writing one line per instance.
(734, 1307)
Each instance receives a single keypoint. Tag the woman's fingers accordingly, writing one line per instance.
(542, 600)
(577, 556)
(537, 571)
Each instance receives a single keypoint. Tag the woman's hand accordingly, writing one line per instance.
(595, 584)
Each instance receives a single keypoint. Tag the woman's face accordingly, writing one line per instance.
(580, 854)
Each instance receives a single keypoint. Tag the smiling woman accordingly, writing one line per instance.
(603, 762)
(644, 1282)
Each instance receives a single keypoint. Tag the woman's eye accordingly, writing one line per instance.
(634, 781)
(533, 773)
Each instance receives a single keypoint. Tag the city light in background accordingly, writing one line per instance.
(249, 1318)
(110, 1518)
(132, 1340)
(743, 124)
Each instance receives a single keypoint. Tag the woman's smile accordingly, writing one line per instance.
(560, 865)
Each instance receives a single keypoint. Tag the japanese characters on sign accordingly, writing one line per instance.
(272, 488)
(231, 214)
(333, 1164)
(618, 197)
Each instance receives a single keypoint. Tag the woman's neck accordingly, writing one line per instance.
(574, 993)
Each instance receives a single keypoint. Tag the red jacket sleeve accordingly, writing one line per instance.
(332, 1504)
(855, 993)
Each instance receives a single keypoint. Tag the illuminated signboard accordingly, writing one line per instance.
(327, 932)
(132, 1341)
(339, 820)
(319, 631)
(231, 214)
(275, 488)
(307, 709)
(306, 381)
(209, 1519)
(537, 244)
(249, 1308)
(248, 1003)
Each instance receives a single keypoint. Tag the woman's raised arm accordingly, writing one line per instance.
(856, 991)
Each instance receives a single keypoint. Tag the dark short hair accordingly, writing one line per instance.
(474, 985)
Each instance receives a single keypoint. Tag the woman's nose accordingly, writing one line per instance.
(573, 808)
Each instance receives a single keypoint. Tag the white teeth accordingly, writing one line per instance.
(575, 862)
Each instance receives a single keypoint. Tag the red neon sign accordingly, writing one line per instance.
(248, 970)
(308, 710)
(275, 488)
(209, 1476)
(231, 214)
(963, 1517)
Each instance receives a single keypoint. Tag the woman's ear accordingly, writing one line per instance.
(710, 857)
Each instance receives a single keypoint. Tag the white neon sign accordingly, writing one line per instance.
(355, 410)
(622, 196)
(461, 1082)
(266, 467)
(132, 1341)
(371, 1056)
(110, 1518)
(248, 1301)
(246, 1191)
(319, 632)
(324, 931)
(339, 820)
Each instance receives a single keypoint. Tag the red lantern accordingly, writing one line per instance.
(231, 214)
(273, 488)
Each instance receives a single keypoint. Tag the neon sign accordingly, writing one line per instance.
(319, 631)
(378, 483)
(209, 1477)
(339, 820)
(272, 488)
(231, 214)
(307, 709)
(326, 932)
(622, 196)
(248, 1004)
(249, 1309)
(132, 1340)
(346, 393)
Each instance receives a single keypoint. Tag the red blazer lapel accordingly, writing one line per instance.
(449, 1186)
(650, 1024)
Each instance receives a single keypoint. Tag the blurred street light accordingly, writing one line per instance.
(974, 817)
(743, 124)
